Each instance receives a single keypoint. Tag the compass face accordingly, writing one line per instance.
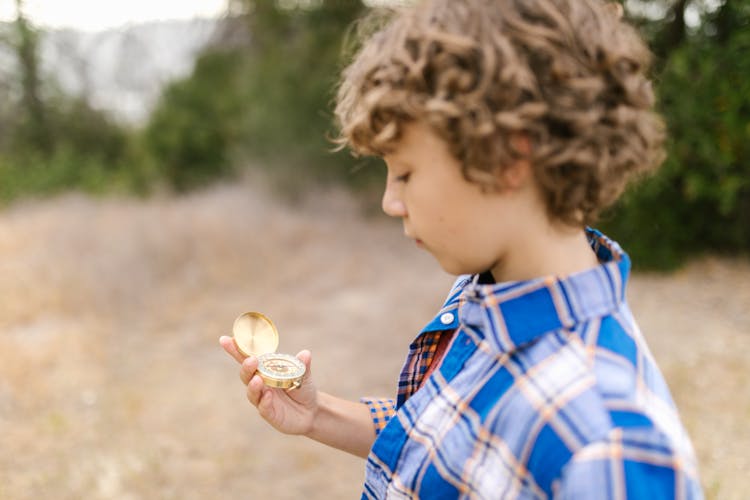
(255, 334)
(281, 370)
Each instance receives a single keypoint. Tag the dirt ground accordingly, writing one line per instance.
(113, 386)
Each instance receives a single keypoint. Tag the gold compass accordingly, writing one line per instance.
(255, 335)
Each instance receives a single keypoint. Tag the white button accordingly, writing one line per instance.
(446, 318)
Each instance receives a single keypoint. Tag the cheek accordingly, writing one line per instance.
(450, 219)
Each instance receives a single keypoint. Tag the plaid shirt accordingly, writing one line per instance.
(547, 390)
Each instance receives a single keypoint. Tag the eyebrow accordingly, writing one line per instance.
(399, 162)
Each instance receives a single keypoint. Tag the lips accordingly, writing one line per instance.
(408, 234)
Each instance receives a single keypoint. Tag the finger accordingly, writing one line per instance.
(248, 368)
(265, 405)
(255, 390)
(616, 9)
(227, 343)
(306, 357)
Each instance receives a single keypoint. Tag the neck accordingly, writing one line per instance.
(558, 251)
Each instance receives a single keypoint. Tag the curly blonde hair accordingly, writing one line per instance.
(569, 74)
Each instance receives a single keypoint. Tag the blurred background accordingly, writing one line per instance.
(164, 166)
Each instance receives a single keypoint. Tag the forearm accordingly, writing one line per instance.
(342, 424)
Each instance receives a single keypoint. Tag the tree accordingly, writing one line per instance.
(51, 141)
(292, 66)
(263, 95)
(195, 126)
(35, 127)
(700, 199)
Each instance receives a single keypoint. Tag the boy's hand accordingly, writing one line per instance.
(289, 412)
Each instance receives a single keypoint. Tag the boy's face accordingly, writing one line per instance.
(467, 230)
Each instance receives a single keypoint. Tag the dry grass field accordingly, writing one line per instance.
(113, 386)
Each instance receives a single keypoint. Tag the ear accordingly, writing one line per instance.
(515, 174)
(521, 143)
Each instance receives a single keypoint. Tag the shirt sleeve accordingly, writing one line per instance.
(627, 468)
(381, 411)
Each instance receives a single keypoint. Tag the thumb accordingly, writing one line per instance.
(306, 357)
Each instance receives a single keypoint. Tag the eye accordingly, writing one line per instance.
(403, 177)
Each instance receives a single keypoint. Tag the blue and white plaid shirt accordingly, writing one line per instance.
(547, 390)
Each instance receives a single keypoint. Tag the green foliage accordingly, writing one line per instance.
(86, 150)
(265, 103)
(290, 75)
(51, 142)
(700, 199)
(265, 100)
(192, 130)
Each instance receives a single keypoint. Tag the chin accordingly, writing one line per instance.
(456, 269)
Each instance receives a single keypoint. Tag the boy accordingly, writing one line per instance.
(506, 127)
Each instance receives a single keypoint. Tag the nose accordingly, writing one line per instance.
(391, 203)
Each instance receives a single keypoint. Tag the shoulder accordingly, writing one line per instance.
(629, 462)
(608, 411)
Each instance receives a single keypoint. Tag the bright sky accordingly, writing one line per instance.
(92, 15)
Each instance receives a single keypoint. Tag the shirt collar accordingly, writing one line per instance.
(447, 317)
(511, 314)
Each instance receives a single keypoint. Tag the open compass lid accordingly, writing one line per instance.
(255, 334)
